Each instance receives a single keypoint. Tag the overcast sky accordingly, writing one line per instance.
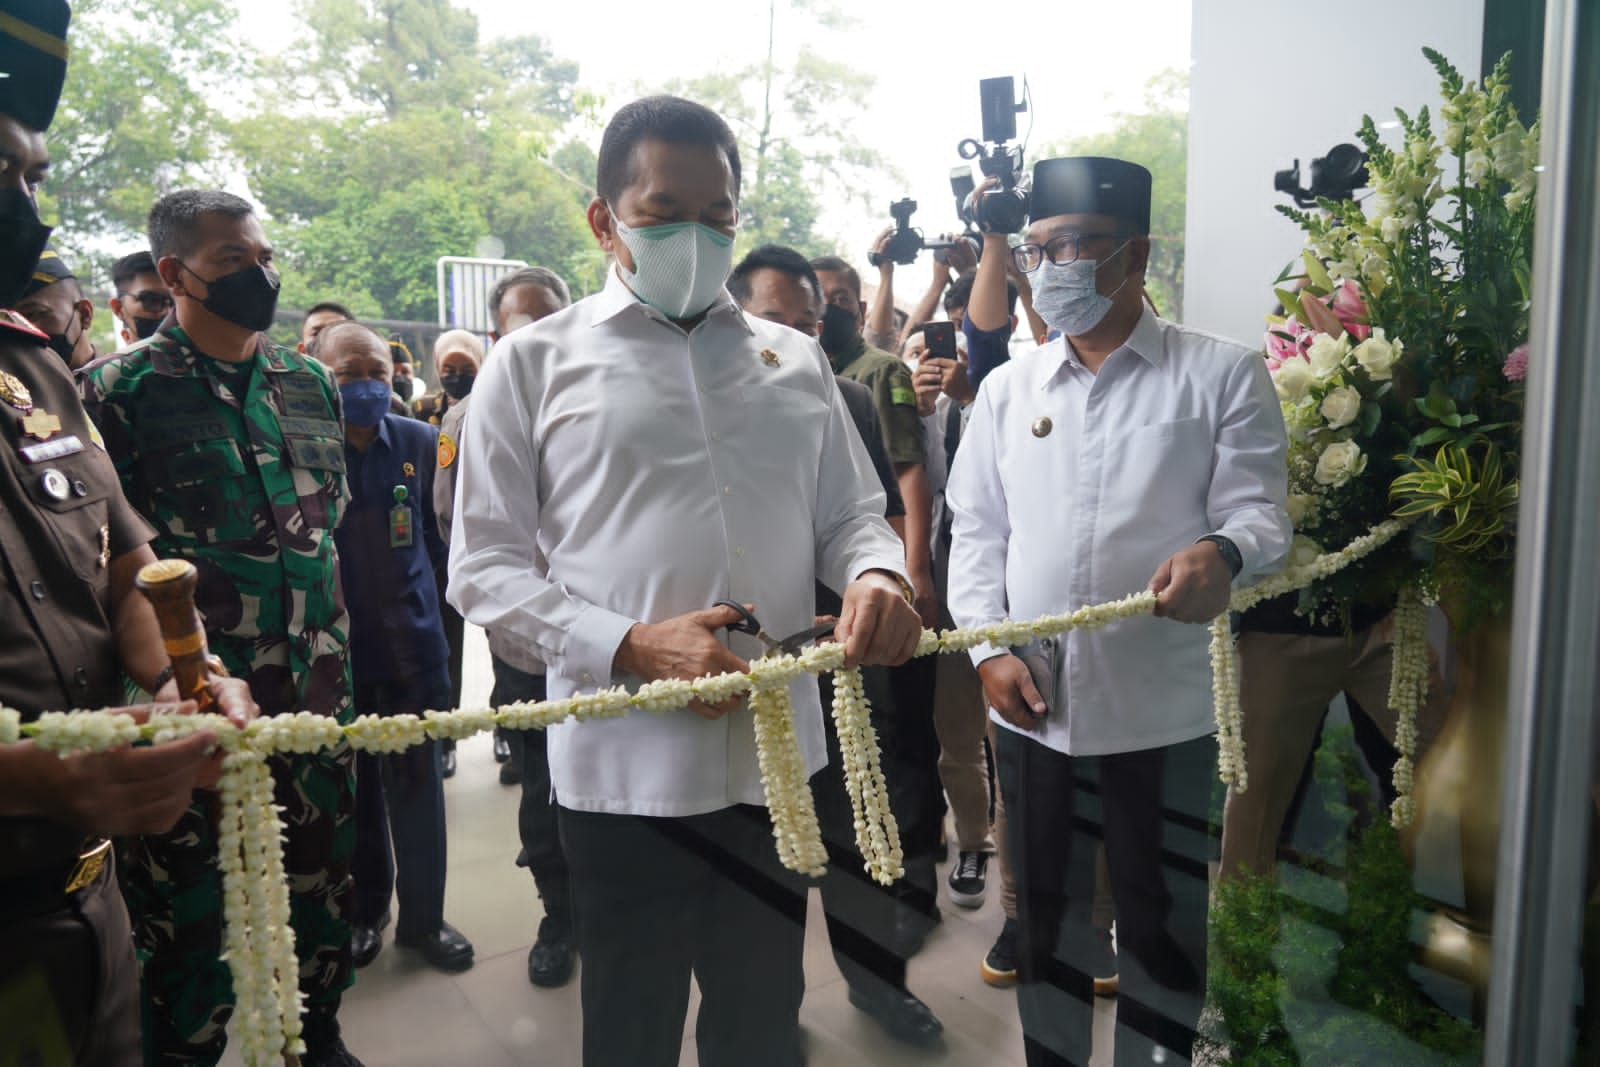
(1083, 61)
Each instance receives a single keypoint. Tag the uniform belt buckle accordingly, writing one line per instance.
(90, 862)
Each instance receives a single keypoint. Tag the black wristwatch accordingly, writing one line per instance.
(1228, 550)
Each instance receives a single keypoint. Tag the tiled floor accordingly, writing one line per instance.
(402, 1014)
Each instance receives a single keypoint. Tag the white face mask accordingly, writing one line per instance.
(1065, 296)
(678, 268)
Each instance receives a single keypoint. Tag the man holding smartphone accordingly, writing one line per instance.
(1129, 453)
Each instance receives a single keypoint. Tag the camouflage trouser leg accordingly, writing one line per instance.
(174, 893)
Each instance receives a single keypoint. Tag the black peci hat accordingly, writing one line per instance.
(1091, 185)
(33, 59)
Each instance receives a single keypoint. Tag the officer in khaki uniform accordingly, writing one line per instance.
(231, 446)
(70, 625)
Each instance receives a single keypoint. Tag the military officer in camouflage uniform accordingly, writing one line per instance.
(231, 446)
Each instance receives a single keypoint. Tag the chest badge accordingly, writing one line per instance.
(40, 424)
(55, 485)
(409, 469)
(14, 393)
(1042, 426)
(400, 531)
(770, 358)
(447, 451)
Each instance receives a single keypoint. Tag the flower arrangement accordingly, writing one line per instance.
(1401, 352)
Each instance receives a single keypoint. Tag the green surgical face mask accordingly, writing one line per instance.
(679, 268)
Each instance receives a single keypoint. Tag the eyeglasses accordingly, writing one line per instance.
(150, 299)
(1060, 250)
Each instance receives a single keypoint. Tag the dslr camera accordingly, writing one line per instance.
(907, 241)
(1002, 210)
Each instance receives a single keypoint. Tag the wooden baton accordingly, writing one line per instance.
(169, 585)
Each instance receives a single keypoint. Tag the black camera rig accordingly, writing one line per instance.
(1335, 176)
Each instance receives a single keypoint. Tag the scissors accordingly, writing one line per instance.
(788, 646)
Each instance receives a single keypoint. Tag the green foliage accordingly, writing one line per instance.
(415, 140)
(136, 116)
(794, 148)
(1463, 504)
(1157, 138)
(1290, 987)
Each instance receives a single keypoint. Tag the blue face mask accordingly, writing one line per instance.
(365, 402)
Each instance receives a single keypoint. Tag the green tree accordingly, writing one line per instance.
(1157, 138)
(413, 140)
(794, 146)
(136, 117)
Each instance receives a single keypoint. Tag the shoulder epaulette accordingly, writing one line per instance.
(14, 323)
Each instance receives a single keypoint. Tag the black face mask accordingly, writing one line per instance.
(22, 239)
(143, 327)
(62, 347)
(457, 386)
(839, 329)
(246, 298)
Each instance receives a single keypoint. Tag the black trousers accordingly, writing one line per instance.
(69, 984)
(910, 744)
(860, 913)
(536, 811)
(659, 899)
(1151, 810)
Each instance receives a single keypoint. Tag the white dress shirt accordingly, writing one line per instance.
(1179, 435)
(617, 470)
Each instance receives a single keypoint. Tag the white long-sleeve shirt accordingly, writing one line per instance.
(1179, 435)
(651, 473)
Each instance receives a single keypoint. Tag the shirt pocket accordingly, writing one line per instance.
(73, 500)
(313, 449)
(781, 442)
(1157, 474)
(205, 490)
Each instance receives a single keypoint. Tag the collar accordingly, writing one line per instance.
(1147, 341)
(173, 354)
(856, 349)
(617, 299)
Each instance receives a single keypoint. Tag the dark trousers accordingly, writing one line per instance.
(69, 984)
(910, 744)
(400, 833)
(1151, 810)
(659, 899)
(860, 913)
(536, 812)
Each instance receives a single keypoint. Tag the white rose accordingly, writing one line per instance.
(1303, 550)
(1299, 506)
(1327, 355)
(1340, 462)
(1377, 355)
(1292, 379)
(1341, 406)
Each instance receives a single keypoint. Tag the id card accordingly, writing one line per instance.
(400, 531)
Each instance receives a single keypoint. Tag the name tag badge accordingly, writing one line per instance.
(401, 534)
(58, 448)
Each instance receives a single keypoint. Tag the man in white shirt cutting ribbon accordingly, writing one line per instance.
(1127, 453)
(631, 461)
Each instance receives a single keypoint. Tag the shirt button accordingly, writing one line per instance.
(586, 678)
(716, 436)
(739, 551)
(81, 678)
(727, 490)
(80, 489)
(37, 589)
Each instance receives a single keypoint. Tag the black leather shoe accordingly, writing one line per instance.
(365, 941)
(510, 773)
(552, 956)
(901, 1013)
(447, 761)
(502, 747)
(328, 1054)
(447, 950)
(911, 930)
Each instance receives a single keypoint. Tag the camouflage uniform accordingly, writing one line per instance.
(241, 470)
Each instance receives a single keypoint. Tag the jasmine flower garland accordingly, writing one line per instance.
(1408, 689)
(260, 944)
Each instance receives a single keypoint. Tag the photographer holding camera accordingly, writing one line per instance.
(952, 258)
(1128, 452)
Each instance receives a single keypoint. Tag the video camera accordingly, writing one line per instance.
(907, 241)
(1335, 176)
(1005, 209)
